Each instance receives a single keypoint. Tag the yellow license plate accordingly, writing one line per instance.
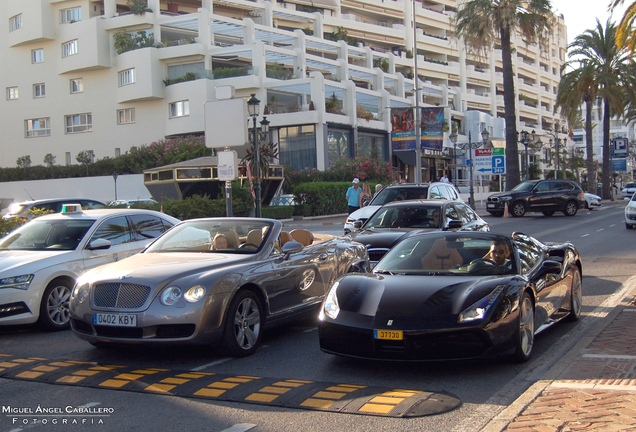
(388, 334)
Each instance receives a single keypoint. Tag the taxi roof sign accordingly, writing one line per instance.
(71, 208)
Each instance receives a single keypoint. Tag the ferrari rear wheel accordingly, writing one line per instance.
(576, 296)
(243, 325)
(525, 330)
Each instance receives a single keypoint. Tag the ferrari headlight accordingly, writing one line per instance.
(80, 292)
(331, 308)
(17, 282)
(194, 294)
(479, 309)
(170, 295)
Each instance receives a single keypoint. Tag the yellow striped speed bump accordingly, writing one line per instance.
(287, 393)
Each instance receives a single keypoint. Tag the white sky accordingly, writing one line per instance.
(580, 15)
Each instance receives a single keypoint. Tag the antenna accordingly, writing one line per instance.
(29, 195)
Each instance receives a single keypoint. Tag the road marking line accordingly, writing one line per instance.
(599, 230)
(240, 427)
(214, 363)
(612, 225)
(585, 235)
(610, 356)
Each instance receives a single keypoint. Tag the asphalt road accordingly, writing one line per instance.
(485, 388)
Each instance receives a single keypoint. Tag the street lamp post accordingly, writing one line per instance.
(470, 146)
(557, 144)
(253, 106)
(525, 141)
(115, 175)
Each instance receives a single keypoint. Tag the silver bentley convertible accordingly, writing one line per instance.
(217, 281)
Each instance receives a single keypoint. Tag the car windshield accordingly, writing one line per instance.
(405, 217)
(47, 235)
(630, 185)
(450, 255)
(214, 235)
(525, 186)
(391, 194)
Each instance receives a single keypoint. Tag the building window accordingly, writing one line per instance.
(77, 85)
(126, 77)
(12, 93)
(37, 55)
(39, 90)
(70, 15)
(179, 109)
(117, 152)
(298, 146)
(37, 127)
(67, 158)
(69, 48)
(77, 123)
(15, 22)
(126, 116)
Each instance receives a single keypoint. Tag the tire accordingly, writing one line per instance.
(54, 308)
(548, 213)
(243, 325)
(524, 336)
(518, 209)
(570, 208)
(576, 295)
(628, 226)
(497, 214)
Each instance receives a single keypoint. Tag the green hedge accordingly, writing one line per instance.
(321, 198)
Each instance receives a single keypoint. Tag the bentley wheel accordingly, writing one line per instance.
(576, 296)
(243, 325)
(525, 330)
(570, 209)
(54, 309)
(518, 209)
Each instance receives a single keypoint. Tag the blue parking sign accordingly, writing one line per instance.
(498, 165)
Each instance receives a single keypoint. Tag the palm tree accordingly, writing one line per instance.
(610, 73)
(479, 23)
(625, 33)
(575, 87)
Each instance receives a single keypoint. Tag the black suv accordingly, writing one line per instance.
(545, 196)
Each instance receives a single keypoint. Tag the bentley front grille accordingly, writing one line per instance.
(120, 295)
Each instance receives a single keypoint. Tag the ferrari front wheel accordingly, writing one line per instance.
(243, 325)
(524, 338)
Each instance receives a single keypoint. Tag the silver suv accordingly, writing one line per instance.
(402, 192)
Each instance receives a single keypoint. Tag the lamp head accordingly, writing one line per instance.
(485, 135)
(453, 138)
(253, 105)
(265, 125)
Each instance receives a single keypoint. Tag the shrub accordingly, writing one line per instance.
(9, 224)
(277, 212)
(321, 198)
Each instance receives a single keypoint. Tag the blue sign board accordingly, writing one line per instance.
(498, 165)
(619, 164)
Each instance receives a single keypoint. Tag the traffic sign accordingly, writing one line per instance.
(489, 161)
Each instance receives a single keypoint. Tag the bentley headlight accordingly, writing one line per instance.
(331, 308)
(170, 295)
(480, 309)
(194, 294)
(17, 282)
(80, 292)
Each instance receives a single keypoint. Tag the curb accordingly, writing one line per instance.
(509, 414)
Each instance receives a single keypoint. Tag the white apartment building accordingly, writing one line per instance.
(68, 89)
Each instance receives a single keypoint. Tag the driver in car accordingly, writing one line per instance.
(499, 253)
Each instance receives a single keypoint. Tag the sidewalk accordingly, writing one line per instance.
(592, 388)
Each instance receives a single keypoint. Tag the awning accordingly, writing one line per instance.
(407, 157)
(316, 3)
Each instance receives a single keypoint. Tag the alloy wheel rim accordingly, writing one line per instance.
(526, 326)
(247, 323)
(58, 305)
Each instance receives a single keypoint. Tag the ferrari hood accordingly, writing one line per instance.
(154, 267)
(411, 301)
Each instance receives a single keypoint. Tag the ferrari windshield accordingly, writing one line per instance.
(48, 235)
(214, 235)
(450, 254)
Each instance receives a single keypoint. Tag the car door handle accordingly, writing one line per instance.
(323, 257)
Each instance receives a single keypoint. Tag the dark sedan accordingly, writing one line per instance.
(453, 295)
(395, 221)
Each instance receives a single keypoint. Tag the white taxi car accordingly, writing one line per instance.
(40, 260)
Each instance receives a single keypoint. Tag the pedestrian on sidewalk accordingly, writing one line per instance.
(353, 196)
